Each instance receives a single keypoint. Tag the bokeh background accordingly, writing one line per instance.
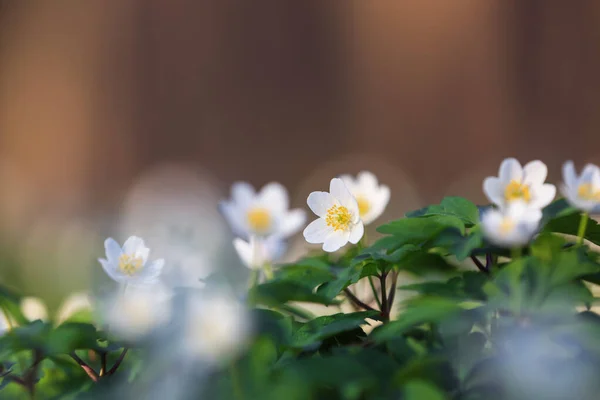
(121, 116)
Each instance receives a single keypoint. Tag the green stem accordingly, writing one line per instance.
(235, 382)
(253, 278)
(268, 271)
(374, 291)
(515, 253)
(582, 225)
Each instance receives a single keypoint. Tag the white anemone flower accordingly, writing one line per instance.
(339, 218)
(511, 227)
(137, 311)
(216, 327)
(371, 197)
(130, 265)
(33, 308)
(516, 183)
(583, 191)
(265, 213)
(73, 304)
(258, 252)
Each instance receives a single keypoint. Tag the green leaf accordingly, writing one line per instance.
(457, 207)
(458, 244)
(569, 225)
(558, 208)
(321, 328)
(419, 390)
(309, 276)
(417, 312)
(275, 293)
(415, 230)
(72, 336)
(344, 277)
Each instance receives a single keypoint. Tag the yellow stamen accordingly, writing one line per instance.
(516, 190)
(259, 220)
(339, 218)
(129, 265)
(587, 192)
(363, 205)
(506, 226)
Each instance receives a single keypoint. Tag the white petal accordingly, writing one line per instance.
(494, 190)
(133, 244)
(274, 197)
(317, 231)
(335, 241)
(111, 270)
(367, 180)
(535, 172)
(510, 169)
(292, 222)
(356, 233)
(150, 273)
(350, 182)
(380, 202)
(320, 202)
(143, 253)
(587, 175)
(242, 193)
(113, 250)
(569, 175)
(543, 196)
(339, 190)
(235, 217)
(244, 251)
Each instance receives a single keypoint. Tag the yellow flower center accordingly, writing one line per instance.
(363, 205)
(587, 192)
(129, 265)
(517, 191)
(339, 218)
(506, 226)
(259, 219)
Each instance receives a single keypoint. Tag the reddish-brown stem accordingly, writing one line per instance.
(87, 369)
(118, 362)
(356, 301)
(385, 312)
(392, 296)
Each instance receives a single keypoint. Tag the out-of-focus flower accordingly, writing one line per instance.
(216, 326)
(34, 308)
(74, 303)
(339, 218)
(514, 226)
(371, 197)
(265, 213)
(516, 183)
(583, 191)
(135, 312)
(129, 265)
(259, 251)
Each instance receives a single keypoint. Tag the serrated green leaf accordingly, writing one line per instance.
(420, 390)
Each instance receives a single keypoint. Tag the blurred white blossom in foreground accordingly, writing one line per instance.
(511, 227)
(582, 191)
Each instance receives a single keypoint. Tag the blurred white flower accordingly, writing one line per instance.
(174, 208)
(583, 191)
(259, 251)
(516, 183)
(73, 304)
(265, 213)
(129, 265)
(513, 226)
(371, 197)
(339, 218)
(33, 308)
(136, 311)
(216, 326)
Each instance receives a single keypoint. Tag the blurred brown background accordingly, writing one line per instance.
(428, 94)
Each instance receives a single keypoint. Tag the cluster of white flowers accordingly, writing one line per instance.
(520, 194)
(144, 303)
